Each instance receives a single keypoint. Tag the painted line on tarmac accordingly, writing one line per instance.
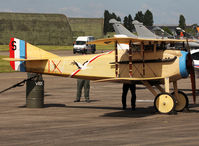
(145, 101)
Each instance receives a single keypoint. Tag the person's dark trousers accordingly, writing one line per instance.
(86, 89)
(133, 94)
(80, 84)
(124, 94)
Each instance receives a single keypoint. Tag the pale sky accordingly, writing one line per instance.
(164, 11)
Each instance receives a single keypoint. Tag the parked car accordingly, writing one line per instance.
(81, 46)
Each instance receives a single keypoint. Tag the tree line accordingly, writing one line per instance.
(146, 18)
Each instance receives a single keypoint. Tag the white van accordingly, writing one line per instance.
(81, 46)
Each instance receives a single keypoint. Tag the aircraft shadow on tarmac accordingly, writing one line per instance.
(191, 108)
(94, 107)
(61, 105)
(48, 105)
(139, 112)
(55, 104)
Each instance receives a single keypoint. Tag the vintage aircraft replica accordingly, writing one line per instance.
(144, 61)
(144, 32)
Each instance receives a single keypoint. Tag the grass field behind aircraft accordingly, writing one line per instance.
(144, 61)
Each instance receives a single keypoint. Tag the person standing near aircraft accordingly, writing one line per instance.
(80, 84)
(126, 87)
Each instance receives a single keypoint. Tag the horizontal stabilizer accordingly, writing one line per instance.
(18, 59)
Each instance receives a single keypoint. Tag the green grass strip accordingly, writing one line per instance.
(5, 65)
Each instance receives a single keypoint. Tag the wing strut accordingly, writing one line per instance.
(116, 60)
(130, 59)
(155, 48)
(143, 63)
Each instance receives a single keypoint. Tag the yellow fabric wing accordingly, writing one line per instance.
(112, 40)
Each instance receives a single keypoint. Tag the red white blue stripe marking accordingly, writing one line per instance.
(17, 51)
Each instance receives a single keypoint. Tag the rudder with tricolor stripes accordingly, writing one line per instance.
(17, 50)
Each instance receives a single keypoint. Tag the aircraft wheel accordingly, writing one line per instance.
(164, 103)
(182, 101)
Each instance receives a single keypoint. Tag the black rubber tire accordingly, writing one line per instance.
(185, 99)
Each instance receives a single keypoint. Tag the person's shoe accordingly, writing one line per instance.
(133, 108)
(124, 107)
(87, 100)
(77, 100)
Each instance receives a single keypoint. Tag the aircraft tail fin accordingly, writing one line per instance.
(142, 31)
(120, 29)
(20, 52)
